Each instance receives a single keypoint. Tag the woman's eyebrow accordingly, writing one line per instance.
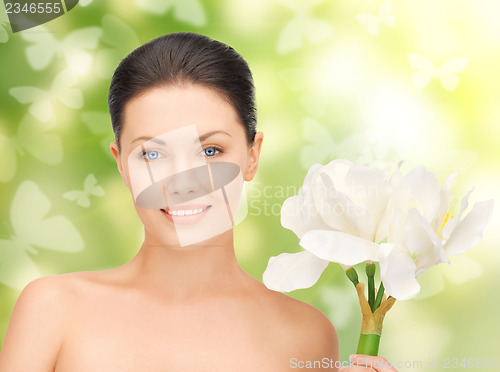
(203, 137)
(147, 138)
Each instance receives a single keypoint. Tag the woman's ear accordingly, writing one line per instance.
(116, 154)
(254, 154)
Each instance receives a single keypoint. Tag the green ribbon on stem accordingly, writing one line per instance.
(368, 344)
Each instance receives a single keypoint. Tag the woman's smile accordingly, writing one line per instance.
(185, 214)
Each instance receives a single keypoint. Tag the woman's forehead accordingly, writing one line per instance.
(165, 110)
(183, 136)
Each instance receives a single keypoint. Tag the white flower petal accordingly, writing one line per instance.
(337, 171)
(291, 216)
(338, 211)
(424, 242)
(469, 231)
(311, 172)
(336, 246)
(446, 197)
(383, 226)
(298, 213)
(396, 175)
(369, 188)
(361, 202)
(453, 222)
(425, 187)
(312, 218)
(400, 199)
(290, 271)
(397, 272)
(450, 181)
(397, 230)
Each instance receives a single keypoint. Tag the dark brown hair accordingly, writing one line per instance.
(180, 58)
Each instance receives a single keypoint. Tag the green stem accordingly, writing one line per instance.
(370, 273)
(368, 344)
(352, 275)
(380, 294)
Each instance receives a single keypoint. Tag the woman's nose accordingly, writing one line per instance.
(183, 183)
(188, 185)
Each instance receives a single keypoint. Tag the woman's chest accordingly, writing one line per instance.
(140, 337)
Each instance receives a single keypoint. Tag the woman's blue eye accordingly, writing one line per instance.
(151, 155)
(211, 151)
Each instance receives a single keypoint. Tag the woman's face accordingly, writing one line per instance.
(184, 156)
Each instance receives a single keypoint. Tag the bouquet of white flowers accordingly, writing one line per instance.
(349, 214)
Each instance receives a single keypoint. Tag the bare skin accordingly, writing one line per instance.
(170, 308)
(121, 324)
(110, 321)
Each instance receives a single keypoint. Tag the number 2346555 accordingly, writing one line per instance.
(470, 363)
(32, 8)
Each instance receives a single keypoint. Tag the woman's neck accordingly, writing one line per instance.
(204, 269)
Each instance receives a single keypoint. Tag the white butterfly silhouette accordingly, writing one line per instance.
(74, 48)
(302, 26)
(42, 101)
(426, 71)
(372, 155)
(377, 150)
(190, 11)
(99, 124)
(315, 95)
(82, 197)
(31, 137)
(33, 229)
(339, 75)
(373, 22)
(121, 39)
(321, 147)
(361, 148)
(4, 27)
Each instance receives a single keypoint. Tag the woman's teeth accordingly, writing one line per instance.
(187, 212)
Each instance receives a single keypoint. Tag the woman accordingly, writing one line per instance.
(182, 109)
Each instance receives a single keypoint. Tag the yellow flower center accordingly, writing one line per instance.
(446, 217)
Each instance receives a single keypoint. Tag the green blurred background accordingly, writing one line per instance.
(330, 84)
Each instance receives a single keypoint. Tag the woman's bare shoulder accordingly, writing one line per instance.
(65, 282)
(66, 288)
(58, 288)
(303, 328)
(38, 324)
